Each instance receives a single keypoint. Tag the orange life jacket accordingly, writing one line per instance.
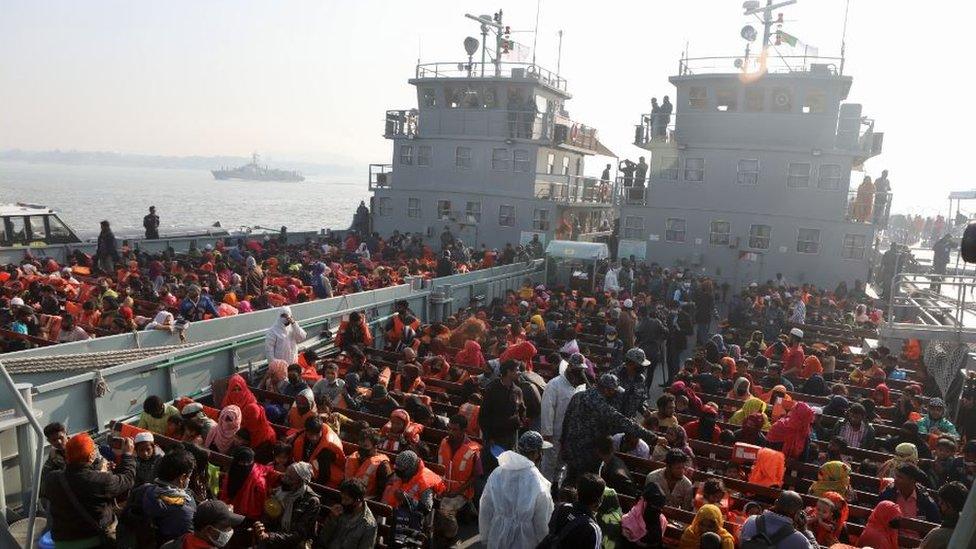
(460, 465)
(296, 420)
(365, 471)
(329, 442)
(391, 442)
(423, 480)
(396, 332)
(471, 412)
(416, 385)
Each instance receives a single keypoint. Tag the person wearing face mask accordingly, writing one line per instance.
(461, 458)
(166, 502)
(246, 484)
(320, 446)
(293, 385)
(213, 526)
(516, 503)
(369, 466)
(350, 524)
(299, 510)
(303, 409)
(414, 485)
(283, 337)
(330, 386)
(555, 399)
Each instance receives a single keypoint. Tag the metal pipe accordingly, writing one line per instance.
(25, 408)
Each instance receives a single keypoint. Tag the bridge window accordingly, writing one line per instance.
(829, 177)
(748, 171)
(550, 163)
(755, 99)
(674, 229)
(506, 215)
(782, 100)
(383, 206)
(413, 208)
(668, 166)
(808, 241)
(540, 220)
(727, 99)
(697, 97)
(499, 159)
(695, 170)
(720, 233)
(37, 230)
(854, 245)
(406, 155)
(423, 155)
(759, 237)
(443, 210)
(565, 165)
(472, 212)
(462, 158)
(430, 97)
(634, 227)
(521, 161)
(798, 174)
(18, 230)
(815, 102)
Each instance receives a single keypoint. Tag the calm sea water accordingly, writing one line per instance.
(184, 199)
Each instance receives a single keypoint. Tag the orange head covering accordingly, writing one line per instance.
(769, 468)
(728, 366)
(79, 448)
(884, 392)
(811, 366)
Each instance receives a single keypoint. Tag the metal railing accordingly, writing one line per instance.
(654, 129)
(380, 176)
(475, 69)
(573, 189)
(401, 123)
(629, 194)
(868, 207)
(573, 134)
(760, 64)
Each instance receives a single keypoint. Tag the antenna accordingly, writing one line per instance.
(535, 32)
(559, 56)
(488, 23)
(751, 8)
(843, 38)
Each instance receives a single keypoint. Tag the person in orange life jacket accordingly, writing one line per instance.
(353, 332)
(403, 318)
(320, 446)
(471, 410)
(380, 402)
(408, 381)
(400, 432)
(461, 458)
(307, 361)
(368, 465)
(303, 409)
(414, 485)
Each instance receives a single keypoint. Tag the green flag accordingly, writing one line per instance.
(788, 38)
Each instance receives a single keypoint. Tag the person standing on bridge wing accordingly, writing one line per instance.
(151, 223)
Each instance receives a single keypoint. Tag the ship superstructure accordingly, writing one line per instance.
(753, 178)
(490, 153)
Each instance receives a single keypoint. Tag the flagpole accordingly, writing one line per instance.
(559, 55)
(843, 38)
(535, 33)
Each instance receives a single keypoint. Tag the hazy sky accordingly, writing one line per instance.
(310, 80)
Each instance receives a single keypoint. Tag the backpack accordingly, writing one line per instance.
(762, 540)
(554, 540)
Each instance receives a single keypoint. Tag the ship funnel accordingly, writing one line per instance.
(471, 45)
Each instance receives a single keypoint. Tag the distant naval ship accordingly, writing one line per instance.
(256, 172)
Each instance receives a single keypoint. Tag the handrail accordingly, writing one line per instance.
(504, 69)
(769, 64)
(573, 188)
(26, 409)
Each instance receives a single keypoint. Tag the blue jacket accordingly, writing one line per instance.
(194, 311)
(169, 508)
(927, 508)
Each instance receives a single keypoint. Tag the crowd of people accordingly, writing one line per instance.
(536, 420)
(119, 289)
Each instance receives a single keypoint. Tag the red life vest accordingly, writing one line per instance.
(423, 480)
(365, 471)
(460, 465)
(471, 412)
(329, 442)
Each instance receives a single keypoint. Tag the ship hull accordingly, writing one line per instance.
(225, 176)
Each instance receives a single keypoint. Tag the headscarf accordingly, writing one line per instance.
(719, 342)
(691, 537)
(878, 533)
(258, 427)
(905, 453)
(238, 472)
(834, 476)
(681, 441)
(78, 449)
(811, 365)
(238, 393)
(769, 468)
(222, 435)
(837, 406)
(793, 430)
(752, 427)
(288, 497)
(522, 351)
(470, 355)
(752, 406)
(277, 372)
(785, 404)
(740, 382)
(412, 436)
(885, 392)
(728, 366)
(735, 352)
(679, 388)
(279, 328)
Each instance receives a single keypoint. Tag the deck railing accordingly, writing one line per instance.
(756, 65)
(474, 69)
(573, 189)
(654, 128)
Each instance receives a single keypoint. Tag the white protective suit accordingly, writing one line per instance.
(282, 340)
(555, 399)
(515, 506)
(610, 281)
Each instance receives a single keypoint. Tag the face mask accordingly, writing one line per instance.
(223, 537)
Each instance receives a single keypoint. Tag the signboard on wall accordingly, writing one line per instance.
(526, 237)
(636, 248)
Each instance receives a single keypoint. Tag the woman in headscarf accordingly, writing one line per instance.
(523, 351)
(470, 355)
(811, 366)
(728, 367)
(399, 433)
(363, 251)
(704, 428)
(246, 484)
(828, 519)
(780, 400)
(792, 432)
(769, 468)
(254, 281)
(646, 529)
(837, 406)
(694, 403)
(303, 409)
(751, 431)
(752, 406)
(276, 374)
(741, 389)
(222, 437)
(815, 385)
(708, 519)
(260, 434)
(674, 437)
(834, 476)
(882, 395)
(881, 531)
(905, 453)
(238, 393)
